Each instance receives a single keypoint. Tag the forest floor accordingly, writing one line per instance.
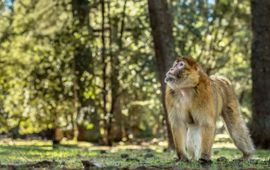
(25, 154)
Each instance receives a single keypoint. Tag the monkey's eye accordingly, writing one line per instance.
(181, 64)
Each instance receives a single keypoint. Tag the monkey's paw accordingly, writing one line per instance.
(181, 159)
(246, 156)
(204, 161)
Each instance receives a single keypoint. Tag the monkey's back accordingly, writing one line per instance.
(223, 90)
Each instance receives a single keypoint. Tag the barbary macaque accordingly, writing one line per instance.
(194, 101)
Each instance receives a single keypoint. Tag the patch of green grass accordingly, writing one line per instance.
(19, 153)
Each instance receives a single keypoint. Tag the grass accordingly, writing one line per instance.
(25, 154)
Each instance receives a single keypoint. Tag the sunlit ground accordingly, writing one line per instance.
(151, 154)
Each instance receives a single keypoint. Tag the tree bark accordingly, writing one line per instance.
(82, 57)
(104, 69)
(115, 123)
(161, 24)
(260, 62)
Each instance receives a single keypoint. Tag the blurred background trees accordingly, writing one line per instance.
(87, 70)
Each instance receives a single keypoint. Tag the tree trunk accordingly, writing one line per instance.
(161, 24)
(114, 129)
(82, 56)
(104, 69)
(260, 63)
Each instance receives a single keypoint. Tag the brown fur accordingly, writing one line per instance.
(194, 101)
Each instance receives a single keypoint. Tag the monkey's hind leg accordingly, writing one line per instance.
(238, 129)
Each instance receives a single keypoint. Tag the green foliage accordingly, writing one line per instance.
(38, 75)
(52, 68)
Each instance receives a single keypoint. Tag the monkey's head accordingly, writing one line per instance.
(185, 73)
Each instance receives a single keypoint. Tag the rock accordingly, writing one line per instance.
(124, 155)
(133, 159)
(222, 159)
(90, 164)
(103, 151)
(148, 155)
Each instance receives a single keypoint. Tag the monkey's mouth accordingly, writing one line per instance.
(170, 78)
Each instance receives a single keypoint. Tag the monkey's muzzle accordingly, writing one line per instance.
(169, 78)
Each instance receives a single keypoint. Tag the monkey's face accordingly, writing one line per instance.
(183, 74)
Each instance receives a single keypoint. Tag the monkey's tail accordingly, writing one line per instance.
(237, 128)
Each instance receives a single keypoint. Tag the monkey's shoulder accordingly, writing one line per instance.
(220, 80)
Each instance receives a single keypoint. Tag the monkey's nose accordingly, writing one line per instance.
(169, 78)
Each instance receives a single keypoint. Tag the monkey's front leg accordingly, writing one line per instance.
(179, 135)
(208, 134)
